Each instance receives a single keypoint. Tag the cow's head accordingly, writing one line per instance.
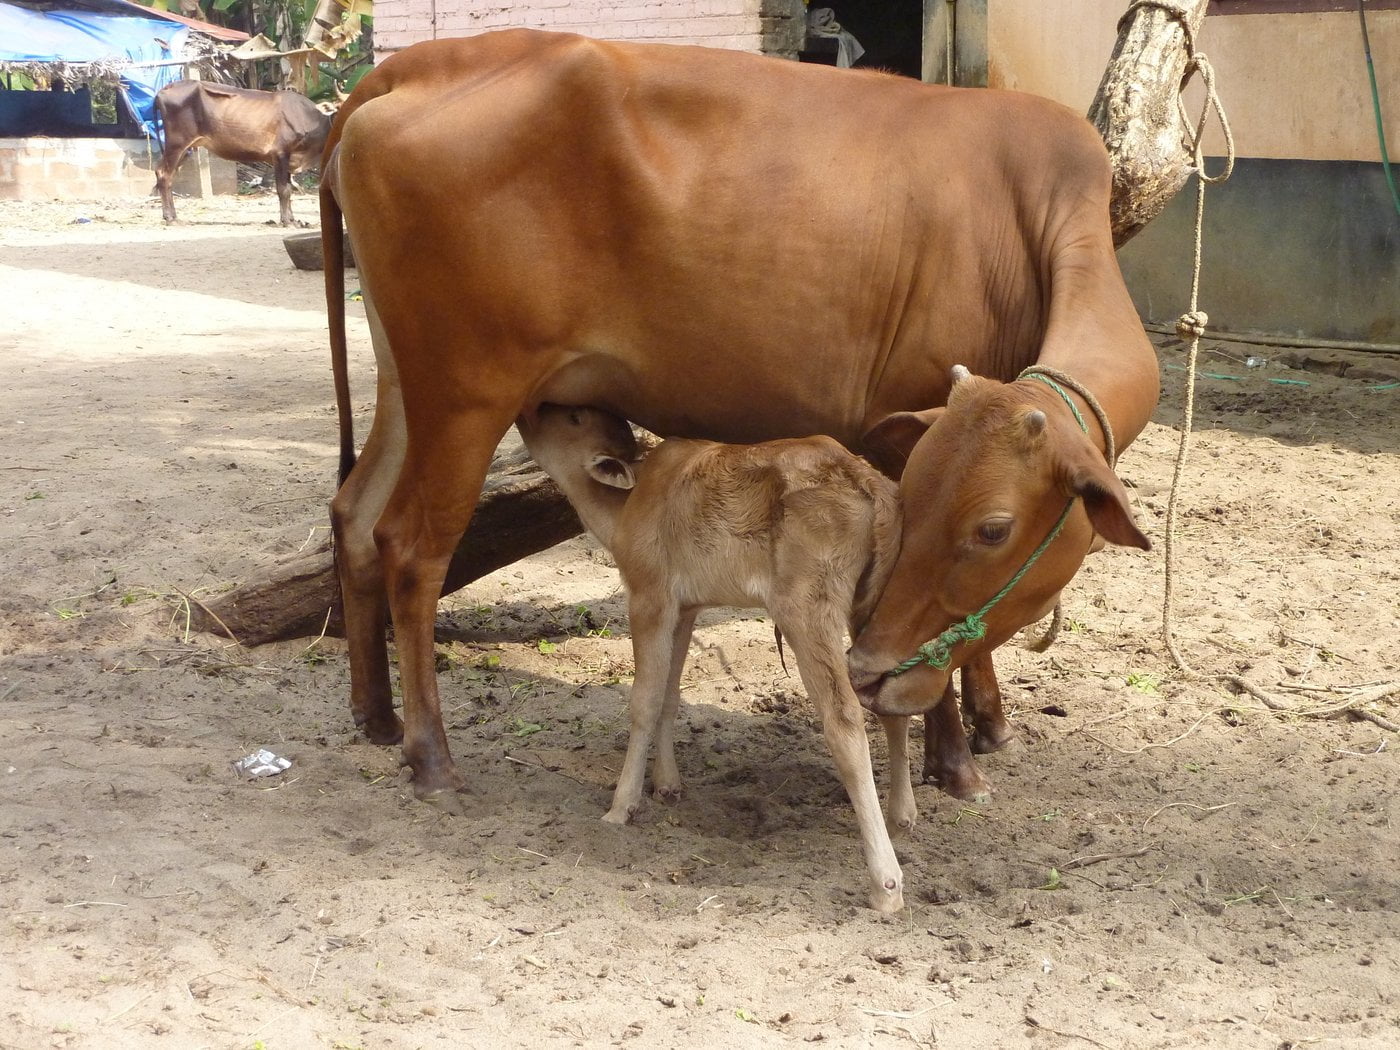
(984, 483)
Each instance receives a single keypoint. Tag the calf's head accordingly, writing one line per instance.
(986, 481)
(575, 444)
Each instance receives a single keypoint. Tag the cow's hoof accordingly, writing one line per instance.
(444, 787)
(382, 729)
(620, 815)
(965, 783)
(992, 738)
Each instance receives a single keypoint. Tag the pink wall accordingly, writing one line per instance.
(747, 25)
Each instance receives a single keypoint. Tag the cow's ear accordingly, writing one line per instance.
(1105, 501)
(888, 443)
(611, 471)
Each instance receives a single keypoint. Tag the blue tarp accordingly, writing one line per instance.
(134, 45)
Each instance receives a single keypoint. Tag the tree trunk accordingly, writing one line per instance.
(521, 511)
(1136, 112)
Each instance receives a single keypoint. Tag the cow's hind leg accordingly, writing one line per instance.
(354, 511)
(432, 502)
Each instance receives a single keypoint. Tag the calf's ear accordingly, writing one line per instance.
(611, 471)
(1105, 501)
(888, 443)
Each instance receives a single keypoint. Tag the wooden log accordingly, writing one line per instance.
(1136, 111)
(521, 511)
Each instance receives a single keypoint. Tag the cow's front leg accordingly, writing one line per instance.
(282, 170)
(655, 624)
(981, 701)
(947, 760)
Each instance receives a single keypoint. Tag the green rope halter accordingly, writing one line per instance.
(971, 628)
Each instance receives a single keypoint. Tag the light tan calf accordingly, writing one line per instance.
(799, 527)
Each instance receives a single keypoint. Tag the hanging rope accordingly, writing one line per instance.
(1191, 326)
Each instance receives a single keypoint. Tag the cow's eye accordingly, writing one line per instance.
(994, 531)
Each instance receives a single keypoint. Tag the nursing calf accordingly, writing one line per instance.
(800, 527)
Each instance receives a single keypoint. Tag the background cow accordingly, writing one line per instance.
(722, 245)
(281, 128)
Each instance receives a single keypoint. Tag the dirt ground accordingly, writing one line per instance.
(1163, 863)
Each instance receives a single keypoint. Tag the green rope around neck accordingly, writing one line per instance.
(939, 651)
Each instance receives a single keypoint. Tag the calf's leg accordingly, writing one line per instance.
(666, 784)
(816, 643)
(902, 812)
(655, 625)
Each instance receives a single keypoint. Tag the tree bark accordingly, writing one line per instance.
(1136, 112)
(521, 511)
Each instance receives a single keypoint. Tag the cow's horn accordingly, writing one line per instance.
(959, 374)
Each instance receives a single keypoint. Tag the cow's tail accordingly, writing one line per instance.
(333, 254)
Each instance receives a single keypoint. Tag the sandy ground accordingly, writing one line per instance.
(1163, 864)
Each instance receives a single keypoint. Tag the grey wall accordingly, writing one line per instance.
(1306, 249)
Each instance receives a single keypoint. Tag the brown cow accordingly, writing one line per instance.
(800, 527)
(281, 128)
(728, 246)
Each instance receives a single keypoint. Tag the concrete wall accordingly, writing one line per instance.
(1299, 248)
(1303, 240)
(1294, 85)
(43, 168)
(774, 26)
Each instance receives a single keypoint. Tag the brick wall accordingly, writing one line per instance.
(771, 26)
(44, 168)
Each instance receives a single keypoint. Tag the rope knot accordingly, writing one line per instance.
(939, 652)
(1192, 325)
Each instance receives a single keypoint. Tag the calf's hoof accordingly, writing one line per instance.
(901, 825)
(888, 897)
(668, 793)
(620, 814)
